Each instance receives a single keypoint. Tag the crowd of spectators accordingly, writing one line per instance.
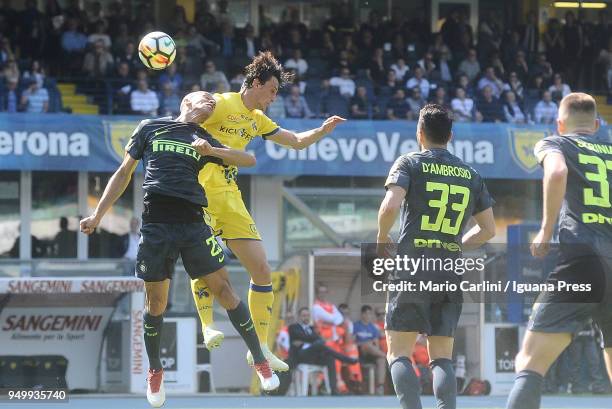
(372, 69)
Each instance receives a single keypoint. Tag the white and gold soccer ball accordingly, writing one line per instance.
(157, 50)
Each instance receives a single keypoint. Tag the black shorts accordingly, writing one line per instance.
(162, 243)
(563, 312)
(435, 314)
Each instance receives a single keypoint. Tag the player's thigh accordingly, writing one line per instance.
(540, 350)
(201, 252)
(608, 359)
(230, 217)
(156, 296)
(157, 252)
(440, 347)
(400, 344)
(252, 256)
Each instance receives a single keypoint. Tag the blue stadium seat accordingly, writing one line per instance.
(337, 105)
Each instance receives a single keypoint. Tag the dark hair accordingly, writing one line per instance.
(302, 309)
(343, 305)
(436, 123)
(366, 308)
(263, 67)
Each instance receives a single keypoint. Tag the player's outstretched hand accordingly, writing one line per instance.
(89, 224)
(330, 123)
(540, 245)
(202, 146)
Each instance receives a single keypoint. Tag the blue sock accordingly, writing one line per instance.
(526, 392)
(406, 383)
(444, 383)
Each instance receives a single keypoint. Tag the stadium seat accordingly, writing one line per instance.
(303, 378)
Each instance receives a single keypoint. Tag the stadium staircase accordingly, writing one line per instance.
(78, 103)
(604, 109)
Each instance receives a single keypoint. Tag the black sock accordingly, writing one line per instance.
(152, 338)
(241, 320)
(526, 392)
(406, 383)
(444, 383)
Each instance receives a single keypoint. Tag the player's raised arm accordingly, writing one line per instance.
(227, 155)
(304, 139)
(114, 189)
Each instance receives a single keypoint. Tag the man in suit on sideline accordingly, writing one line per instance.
(307, 347)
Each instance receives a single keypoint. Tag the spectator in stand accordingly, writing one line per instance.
(226, 42)
(416, 101)
(554, 44)
(249, 44)
(376, 67)
(367, 336)
(535, 89)
(73, 40)
(488, 106)
(497, 64)
(444, 73)
(31, 30)
(573, 39)
(170, 76)
(295, 104)
(418, 80)
(200, 45)
(345, 84)
(211, 77)
(11, 71)
(360, 105)
(541, 67)
(512, 111)
(462, 106)
(511, 46)
(545, 111)
(398, 108)
(519, 66)
(464, 82)
(98, 62)
(427, 64)
(100, 35)
(490, 80)
(558, 89)
(6, 51)
(120, 39)
(328, 48)
(10, 97)
(470, 66)
(36, 73)
(401, 69)
(169, 100)
(530, 35)
(439, 97)
(189, 65)
(297, 62)
(237, 81)
(130, 56)
(390, 85)
(122, 86)
(515, 85)
(143, 101)
(35, 99)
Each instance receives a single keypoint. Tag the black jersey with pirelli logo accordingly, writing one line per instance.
(586, 213)
(442, 193)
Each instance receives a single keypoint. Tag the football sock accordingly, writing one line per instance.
(260, 300)
(526, 392)
(241, 320)
(444, 383)
(406, 383)
(152, 338)
(203, 298)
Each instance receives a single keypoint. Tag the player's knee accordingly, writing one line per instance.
(261, 272)
(155, 305)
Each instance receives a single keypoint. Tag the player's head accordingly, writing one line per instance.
(577, 114)
(196, 106)
(434, 126)
(263, 77)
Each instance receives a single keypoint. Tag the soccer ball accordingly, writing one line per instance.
(157, 50)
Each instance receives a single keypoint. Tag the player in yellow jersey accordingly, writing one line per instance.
(236, 120)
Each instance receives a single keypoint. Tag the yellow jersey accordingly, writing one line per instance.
(234, 125)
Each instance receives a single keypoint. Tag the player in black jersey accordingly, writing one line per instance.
(577, 175)
(439, 193)
(173, 153)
